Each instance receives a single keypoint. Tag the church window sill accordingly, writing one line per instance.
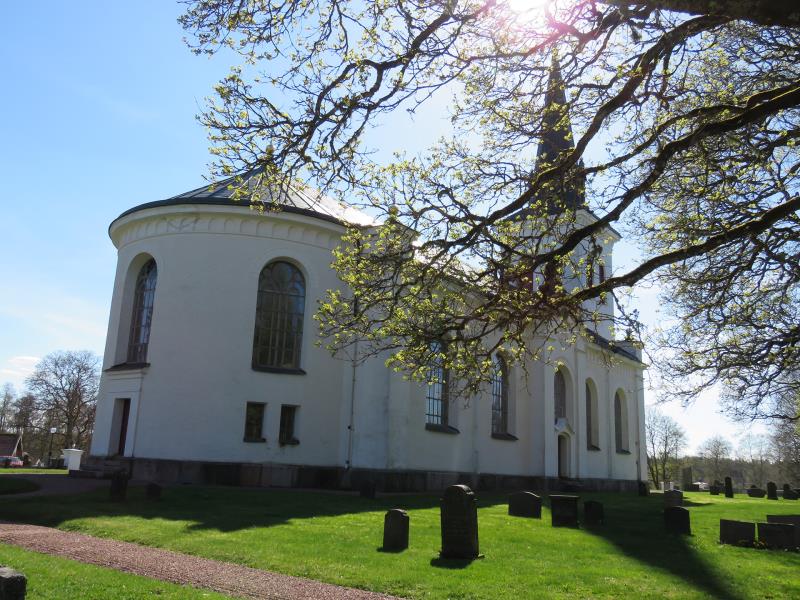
(623, 451)
(290, 442)
(441, 428)
(593, 448)
(126, 366)
(281, 370)
(255, 440)
(504, 436)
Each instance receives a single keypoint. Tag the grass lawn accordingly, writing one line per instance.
(336, 538)
(54, 578)
(15, 485)
(31, 470)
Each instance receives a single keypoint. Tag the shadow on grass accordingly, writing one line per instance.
(217, 508)
(636, 527)
(451, 563)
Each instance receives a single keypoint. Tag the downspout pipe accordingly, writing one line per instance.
(350, 425)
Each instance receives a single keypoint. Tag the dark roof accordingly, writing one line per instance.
(10, 444)
(299, 200)
(612, 346)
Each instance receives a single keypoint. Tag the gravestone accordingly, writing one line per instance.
(772, 491)
(788, 492)
(673, 498)
(153, 491)
(780, 536)
(686, 478)
(644, 488)
(593, 513)
(525, 504)
(119, 486)
(713, 489)
(789, 519)
(12, 584)
(395, 530)
(737, 533)
(564, 510)
(459, 517)
(728, 487)
(676, 520)
(755, 492)
(368, 489)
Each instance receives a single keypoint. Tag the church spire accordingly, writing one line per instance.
(566, 193)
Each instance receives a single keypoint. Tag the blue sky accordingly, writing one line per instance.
(99, 103)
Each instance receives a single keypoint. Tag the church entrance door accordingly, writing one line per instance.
(123, 425)
(563, 456)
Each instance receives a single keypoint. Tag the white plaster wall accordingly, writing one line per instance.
(189, 403)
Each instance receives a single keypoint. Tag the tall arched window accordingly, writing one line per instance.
(279, 317)
(142, 315)
(620, 423)
(499, 395)
(436, 398)
(592, 425)
(560, 395)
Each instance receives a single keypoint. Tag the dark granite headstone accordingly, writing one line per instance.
(119, 486)
(755, 492)
(525, 504)
(593, 513)
(644, 488)
(737, 533)
(395, 530)
(676, 520)
(777, 535)
(772, 491)
(153, 491)
(728, 487)
(459, 517)
(673, 498)
(564, 510)
(788, 492)
(789, 519)
(368, 489)
(12, 584)
(693, 487)
(713, 489)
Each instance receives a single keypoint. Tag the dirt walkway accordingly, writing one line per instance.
(227, 578)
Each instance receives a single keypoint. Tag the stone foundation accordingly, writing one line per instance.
(339, 478)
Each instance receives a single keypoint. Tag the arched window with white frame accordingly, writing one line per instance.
(560, 395)
(621, 423)
(142, 312)
(592, 418)
(499, 384)
(280, 310)
(436, 398)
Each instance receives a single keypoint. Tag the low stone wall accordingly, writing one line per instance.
(332, 477)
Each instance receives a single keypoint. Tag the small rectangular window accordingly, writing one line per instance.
(286, 435)
(254, 422)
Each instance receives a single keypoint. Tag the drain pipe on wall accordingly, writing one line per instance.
(350, 425)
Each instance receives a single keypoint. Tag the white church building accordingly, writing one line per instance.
(211, 372)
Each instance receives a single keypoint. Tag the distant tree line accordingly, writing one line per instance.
(750, 460)
(57, 407)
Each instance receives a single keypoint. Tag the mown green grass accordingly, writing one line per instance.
(54, 578)
(14, 485)
(337, 538)
(31, 470)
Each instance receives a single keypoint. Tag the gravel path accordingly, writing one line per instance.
(227, 578)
